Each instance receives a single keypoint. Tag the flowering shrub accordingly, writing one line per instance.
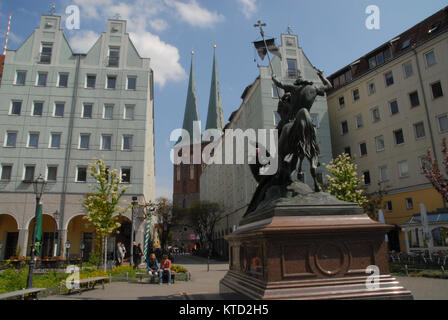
(344, 184)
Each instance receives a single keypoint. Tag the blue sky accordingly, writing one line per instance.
(331, 32)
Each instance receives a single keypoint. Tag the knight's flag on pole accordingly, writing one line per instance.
(262, 51)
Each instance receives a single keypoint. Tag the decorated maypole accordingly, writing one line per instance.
(149, 209)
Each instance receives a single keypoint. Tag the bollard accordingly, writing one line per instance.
(443, 270)
(110, 278)
(127, 276)
(406, 268)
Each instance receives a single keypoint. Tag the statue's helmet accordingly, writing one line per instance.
(299, 80)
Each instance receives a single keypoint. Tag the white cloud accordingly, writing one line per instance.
(248, 7)
(89, 8)
(83, 40)
(164, 57)
(158, 24)
(192, 13)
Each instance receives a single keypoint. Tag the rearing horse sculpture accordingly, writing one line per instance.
(298, 135)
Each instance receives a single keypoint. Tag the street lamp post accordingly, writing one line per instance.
(39, 185)
(82, 247)
(67, 246)
(134, 205)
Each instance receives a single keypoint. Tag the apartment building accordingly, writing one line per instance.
(58, 112)
(386, 110)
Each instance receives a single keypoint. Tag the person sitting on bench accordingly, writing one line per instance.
(152, 265)
(165, 269)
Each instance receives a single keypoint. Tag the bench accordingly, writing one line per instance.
(153, 276)
(25, 294)
(91, 282)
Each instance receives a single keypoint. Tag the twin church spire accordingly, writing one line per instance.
(215, 116)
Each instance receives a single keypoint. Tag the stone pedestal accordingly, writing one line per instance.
(309, 252)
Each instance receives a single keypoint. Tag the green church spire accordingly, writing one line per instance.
(215, 117)
(191, 107)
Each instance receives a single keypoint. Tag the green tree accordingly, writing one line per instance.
(205, 216)
(164, 214)
(374, 202)
(344, 182)
(104, 203)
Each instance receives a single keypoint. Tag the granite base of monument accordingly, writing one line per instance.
(310, 251)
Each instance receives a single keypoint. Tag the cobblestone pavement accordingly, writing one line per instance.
(205, 285)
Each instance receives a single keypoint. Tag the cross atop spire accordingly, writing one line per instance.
(52, 9)
(215, 117)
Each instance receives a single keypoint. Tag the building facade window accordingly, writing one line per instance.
(28, 174)
(114, 57)
(16, 108)
(407, 69)
(443, 123)
(11, 139)
(52, 173)
(20, 78)
(430, 59)
(81, 174)
(106, 142)
(132, 83)
(348, 151)
(87, 110)
(84, 141)
(375, 114)
(292, 68)
(383, 174)
(366, 175)
(127, 143)
(191, 171)
(363, 149)
(178, 173)
(436, 89)
(108, 112)
(59, 109)
(341, 102)
(126, 175)
(46, 52)
(315, 118)
(389, 206)
(63, 80)
(415, 101)
(393, 105)
(419, 129)
(129, 112)
(55, 140)
(38, 108)
(42, 79)
(91, 81)
(344, 127)
(409, 204)
(389, 78)
(371, 88)
(356, 95)
(358, 121)
(111, 82)
(399, 137)
(379, 142)
(33, 140)
(6, 172)
(403, 170)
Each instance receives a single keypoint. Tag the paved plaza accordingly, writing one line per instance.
(205, 285)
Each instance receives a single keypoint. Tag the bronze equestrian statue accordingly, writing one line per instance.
(297, 136)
